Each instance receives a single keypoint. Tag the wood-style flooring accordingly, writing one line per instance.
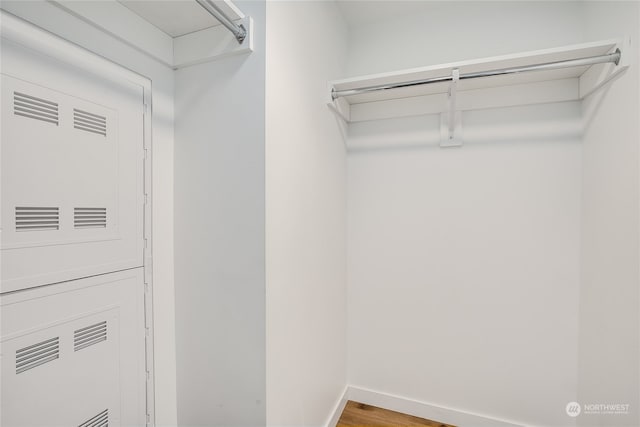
(361, 415)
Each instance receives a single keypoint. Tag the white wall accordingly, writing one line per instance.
(305, 215)
(51, 18)
(609, 294)
(441, 32)
(463, 276)
(219, 225)
(464, 263)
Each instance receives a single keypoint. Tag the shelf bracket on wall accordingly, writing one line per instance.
(451, 121)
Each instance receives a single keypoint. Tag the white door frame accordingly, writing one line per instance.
(49, 44)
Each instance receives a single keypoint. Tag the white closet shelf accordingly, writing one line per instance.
(175, 33)
(487, 92)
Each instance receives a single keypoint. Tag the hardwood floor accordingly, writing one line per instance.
(359, 414)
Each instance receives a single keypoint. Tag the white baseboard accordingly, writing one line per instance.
(413, 407)
(337, 409)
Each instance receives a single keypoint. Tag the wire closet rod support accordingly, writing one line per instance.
(238, 30)
(592, 60)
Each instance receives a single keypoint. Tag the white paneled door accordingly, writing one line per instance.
(73, 226)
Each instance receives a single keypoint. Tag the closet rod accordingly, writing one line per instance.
(238, 30)
(611, 57)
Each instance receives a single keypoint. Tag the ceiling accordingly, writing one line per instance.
(174, 17)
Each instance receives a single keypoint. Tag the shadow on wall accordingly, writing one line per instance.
(516, 125)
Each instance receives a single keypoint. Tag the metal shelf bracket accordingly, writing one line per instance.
(451, 121)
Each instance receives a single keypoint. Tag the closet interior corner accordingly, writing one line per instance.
(251, 213)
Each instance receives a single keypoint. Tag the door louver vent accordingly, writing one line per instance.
(37, 354)
(100, 420)
(90, 122)
(89, 217)
(37, 218)
(35, 108)
(89, 335)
